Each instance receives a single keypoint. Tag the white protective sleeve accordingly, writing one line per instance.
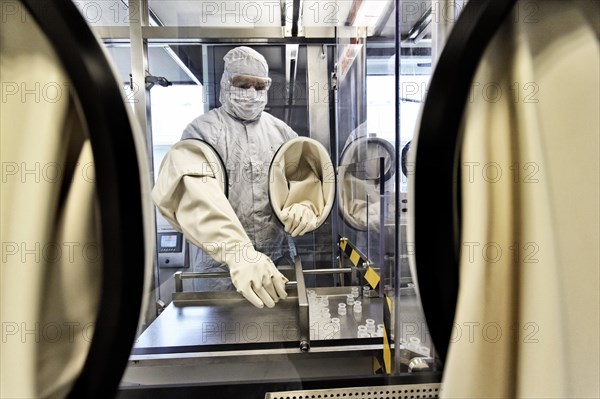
(189, 195)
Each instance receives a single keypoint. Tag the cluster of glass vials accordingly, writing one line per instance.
(351, 302)
(368, 329)
(323, 326)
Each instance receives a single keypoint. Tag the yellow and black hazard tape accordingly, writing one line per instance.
(382, 363)
(387, 322)
(357, 258)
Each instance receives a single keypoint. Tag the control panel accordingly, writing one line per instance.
(172, 249)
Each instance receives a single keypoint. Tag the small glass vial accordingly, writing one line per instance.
(370, 325)
(366, 291)
(414, 344)
(349, 300)
(342, 309)
(355, 292)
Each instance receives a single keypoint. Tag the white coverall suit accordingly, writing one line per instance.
(238, 230)
(246, 149)
(246, 140)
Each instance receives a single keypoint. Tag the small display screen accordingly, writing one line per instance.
(168, 241)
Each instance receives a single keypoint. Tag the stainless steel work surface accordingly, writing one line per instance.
(196, 322)
(220, 321)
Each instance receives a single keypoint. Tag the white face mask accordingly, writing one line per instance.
(246, 104)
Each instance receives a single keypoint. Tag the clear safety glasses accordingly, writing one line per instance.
(248, 81)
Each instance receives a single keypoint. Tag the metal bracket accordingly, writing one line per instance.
(334, 81)
(302, 307)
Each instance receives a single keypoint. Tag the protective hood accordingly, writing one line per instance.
(244, 104)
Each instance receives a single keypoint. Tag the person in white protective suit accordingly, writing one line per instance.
(240, 232)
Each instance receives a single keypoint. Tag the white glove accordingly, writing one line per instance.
(298, 219)
(256, 277)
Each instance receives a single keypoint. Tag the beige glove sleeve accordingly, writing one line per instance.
(301, 193)
(192, 199)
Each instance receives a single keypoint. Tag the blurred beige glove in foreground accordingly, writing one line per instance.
(189, 193)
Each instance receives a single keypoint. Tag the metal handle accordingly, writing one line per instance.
(328, 271)
(180, 276)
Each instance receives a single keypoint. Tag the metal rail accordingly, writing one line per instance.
(180, 276)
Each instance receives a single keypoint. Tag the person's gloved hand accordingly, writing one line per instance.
(299, 219)
(256, 277)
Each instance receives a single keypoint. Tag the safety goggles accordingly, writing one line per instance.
(248, 81)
